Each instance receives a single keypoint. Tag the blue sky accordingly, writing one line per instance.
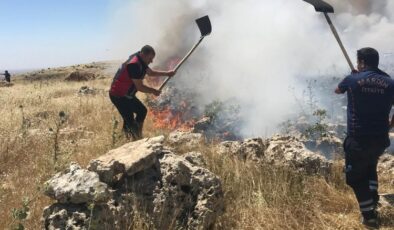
(48, 33)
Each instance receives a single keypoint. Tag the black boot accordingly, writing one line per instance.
(375, 196)
(140, 126)
(129, 133)
(370, 219)
(135, 131)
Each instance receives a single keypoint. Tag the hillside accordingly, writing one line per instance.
(47, 122)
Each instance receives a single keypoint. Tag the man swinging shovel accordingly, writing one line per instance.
(129, 80)
(370, 93)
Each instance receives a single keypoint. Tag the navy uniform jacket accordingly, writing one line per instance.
(370, 96)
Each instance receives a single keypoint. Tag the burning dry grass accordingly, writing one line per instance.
(256, 197)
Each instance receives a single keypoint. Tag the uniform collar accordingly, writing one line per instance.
(375, 69)
(370, 69)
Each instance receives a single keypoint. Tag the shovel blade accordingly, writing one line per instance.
(204, 24)
(321, 6)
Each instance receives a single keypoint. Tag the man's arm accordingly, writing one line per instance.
(135, 75)
(159, 73)
(343, 86)
(139, 84)
(339, 91)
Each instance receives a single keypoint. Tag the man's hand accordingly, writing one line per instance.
(158, 73)
(156, 92)
(354, 71)
(338, 91)
(392, 122)
(171, 73)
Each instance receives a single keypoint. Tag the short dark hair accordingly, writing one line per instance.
(147, 49)
(369, 55)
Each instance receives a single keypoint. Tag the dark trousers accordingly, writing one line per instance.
(7, 78)
(133, 113)
(361, 160)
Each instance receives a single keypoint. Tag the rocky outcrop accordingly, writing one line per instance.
(289, 151)
(147, 182)
(65, 216)
(128, 159)
(80, 76)
(195, 158)
(278, 150)
(329, 146)
(188, 139)
(249, 149)
(191, 195)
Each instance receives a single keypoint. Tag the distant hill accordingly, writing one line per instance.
(102, 69)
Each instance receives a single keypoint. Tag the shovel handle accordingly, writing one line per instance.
(182, 61)
(334, 31)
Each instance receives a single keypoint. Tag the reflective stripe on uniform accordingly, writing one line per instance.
(369, 208)
(368, 202)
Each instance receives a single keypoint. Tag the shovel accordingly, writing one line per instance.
(204, 24)
(325, 8)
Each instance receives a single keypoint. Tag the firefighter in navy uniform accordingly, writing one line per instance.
(127, 81)
(370, 94)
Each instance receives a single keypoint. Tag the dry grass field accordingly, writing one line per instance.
(35, 143)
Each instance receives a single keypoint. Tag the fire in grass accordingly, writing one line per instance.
(168, 118)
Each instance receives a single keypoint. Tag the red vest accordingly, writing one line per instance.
(123, 85)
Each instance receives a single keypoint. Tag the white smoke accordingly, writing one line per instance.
(257, 48)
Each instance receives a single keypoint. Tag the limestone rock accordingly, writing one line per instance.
(187, 138)
(278, 150)
(175, 193)
(195, 158)
(76, 186)
(61, 216)
(83, 217)
(330, 146)
(289, 151)
(190, 194)
(130, 159)
(249, 149)
(171, 192)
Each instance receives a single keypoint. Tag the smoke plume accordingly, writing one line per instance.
(258, 49)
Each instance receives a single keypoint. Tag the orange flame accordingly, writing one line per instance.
(168, 118)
